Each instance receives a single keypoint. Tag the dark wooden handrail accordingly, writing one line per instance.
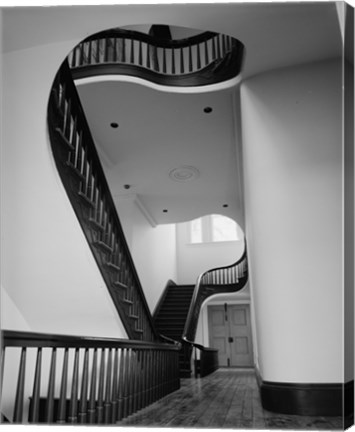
(107, 379)
(230, 278)
(203, 59)
(12, 338)
(152, 40)
(84, 180)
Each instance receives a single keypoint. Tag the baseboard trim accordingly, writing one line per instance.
(307, 399)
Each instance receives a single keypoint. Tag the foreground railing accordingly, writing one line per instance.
(219, 280)
(207, 58)
(83, 178)
(67, 379)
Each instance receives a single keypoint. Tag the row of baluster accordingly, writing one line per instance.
(225, 276)
(170, 61)
(91, 385)
(101, 216)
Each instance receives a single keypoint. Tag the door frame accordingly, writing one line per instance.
(241, 302)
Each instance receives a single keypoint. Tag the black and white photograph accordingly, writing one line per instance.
(177, 215)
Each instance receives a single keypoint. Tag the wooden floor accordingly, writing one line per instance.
(228, 398)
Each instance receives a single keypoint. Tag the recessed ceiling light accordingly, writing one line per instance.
(127, 186)
(225, 205)
(207, 110)
(165, 211)
(114, 125)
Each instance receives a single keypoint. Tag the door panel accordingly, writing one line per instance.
(240, 331)
(218, 328)
(230, 333)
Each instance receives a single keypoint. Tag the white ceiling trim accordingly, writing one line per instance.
(169, 89)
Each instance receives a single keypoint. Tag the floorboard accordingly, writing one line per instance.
(228, 399)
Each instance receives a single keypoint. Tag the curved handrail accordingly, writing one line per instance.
(85, 183)
(230, 278)
(203, 59)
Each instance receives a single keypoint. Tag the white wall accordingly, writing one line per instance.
(292, 145)
(47, 267)
(153, 249)
(194, 259)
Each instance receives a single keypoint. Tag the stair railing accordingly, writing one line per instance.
(207, 58)
(218, 280)
(83, 178)
(84, 380)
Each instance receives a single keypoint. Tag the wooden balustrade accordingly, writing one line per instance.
(222, 279)
(92, 381)
(195, 60)
(83, 178)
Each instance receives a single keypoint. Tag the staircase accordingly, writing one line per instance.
(170, 319)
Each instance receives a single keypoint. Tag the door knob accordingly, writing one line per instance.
(230, 339)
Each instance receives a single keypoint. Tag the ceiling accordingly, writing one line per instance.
(159, 131)
(178, 160)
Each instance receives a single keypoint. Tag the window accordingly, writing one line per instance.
(213, 228)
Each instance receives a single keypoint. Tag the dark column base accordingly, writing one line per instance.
(308, 399)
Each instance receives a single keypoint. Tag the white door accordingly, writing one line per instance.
(230, 333)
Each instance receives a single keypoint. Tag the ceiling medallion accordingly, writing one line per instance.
(184, 174)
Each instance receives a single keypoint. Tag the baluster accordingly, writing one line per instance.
(139, 379)
(87, 179)
(214, 41)
(207, 60)
(132, 51)
(140, 54)
(73, 406)
(115, 50)
(34, 411)
(100, 397)
(125, 389)
(73, 58)
(89, 52)
(156, 60)
(81, 55)
(182, 70)
(115, 387)
(133, 382)
(61, 417)
(121, 379)
(123, 50)
(82, 161)
(77, 149)
(18, 410)
(190, 59)
(84, 390)
(164, 60)
(172, 61)
(92, 186)
(229, 44)
(101, 211)
(67, 107)
(107, 405)
(223, 45)
(98, 50)
(146, 375)
(218, 47)
(131, 379)
(92, 399)
(198, 56)
(72, 131)
(149, 52)
(51, 386)
(106, 46)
